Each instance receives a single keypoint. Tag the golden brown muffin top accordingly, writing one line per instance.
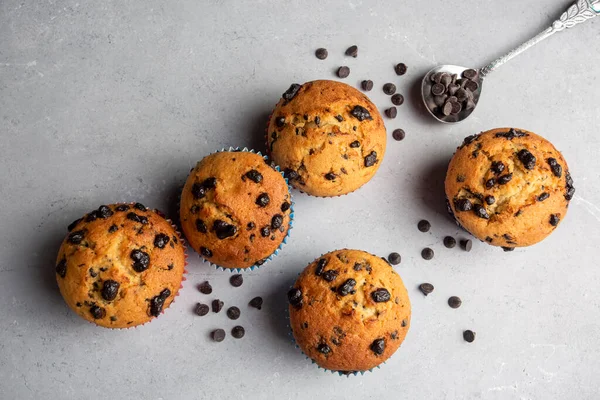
(349, 311)
(120, 265)
(509, 187)
(328, 137)
(235, 209)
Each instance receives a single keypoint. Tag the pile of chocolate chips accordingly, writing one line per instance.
(452, 94)
(201, 309)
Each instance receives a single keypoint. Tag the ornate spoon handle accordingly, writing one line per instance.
(579, 12)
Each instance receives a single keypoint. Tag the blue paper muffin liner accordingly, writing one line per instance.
(290, 224)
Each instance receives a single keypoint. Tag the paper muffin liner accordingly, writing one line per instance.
(290, 223)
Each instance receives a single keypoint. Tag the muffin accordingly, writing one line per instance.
(349, 311)
(508, 187)
(328, 137)
(120, 265)
(235, 209)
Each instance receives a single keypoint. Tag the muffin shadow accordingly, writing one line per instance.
(257, 129)
(431, 189)
(276, 301)
(416, 102)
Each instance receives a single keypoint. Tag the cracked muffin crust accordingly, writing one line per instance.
(120, 265)
(349, 311)
(235, 209)
(508, 187)
(328, 137)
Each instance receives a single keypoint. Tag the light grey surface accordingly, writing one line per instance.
(107, 101)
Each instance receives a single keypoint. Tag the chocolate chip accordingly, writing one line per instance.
(330, 275)
(157, 302)
(490, 200)
(527, 159)
(73, 224)
(394, 258)
(480, 211)
(251, 225)
(276, 221)
(141, 260)
(426, 288)
(389, 89)
(378, 346)
(201, 226)
(447, 109)
(511, 134)
(400, 69)
(113, 228)
(543, 196)
(238, 332)
(508, 248)
(339, 118)
(321, 264)
(570, 188)
(97, 312)
(463, 204)
(256, 302)
(217, 305)
(137, 218)
(206, 252)
(391, 112)
(201, 309)
(471, 86)
(291, 92)
(555, 167)
(91, 216)
(140, 206)
(438, 89)
(504, 179)
(285, 206)
(398, 134)
(223, 230)
(343, 72)
(76, 237)
(347, 287)
(380, 295)
(110, 289)
(324, 348)
(321, 53)
(233, 313)
(424, 225)
(449, 242)
(355, 144)
(367, 85)
(397, 99)
(122, 207)
(470, 139)
(554, 219)
(454, 302)
(295, 297)
(371, 159)
(469, 336)
(490, 183)
(427, 253)
(497, 167)
(205, 288)
(360, 113)
(254, 176)
(265, 231)
(236, 280)
(352, 51)
(469, 74)
(466, 245)
(218, 335)
(104, 212)
(61, 268)
(161, 240)
(198, 191)
(330, 176)
(263, 200)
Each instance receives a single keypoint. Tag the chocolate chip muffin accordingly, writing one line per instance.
(327, 136)
(508, 187)
(235, 209)
(349, 311)
(120, 265)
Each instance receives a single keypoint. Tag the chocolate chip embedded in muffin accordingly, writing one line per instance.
(378, 346)
(223, 230)
(158, 301)
(110, 289)
(161, 240)
(361, 113)
(76, 237)
(380, 295)
(292, 91)
(295, 297)
(263, 200)
(527, 159)
(97, 312)
(141, 260)
(61, 268)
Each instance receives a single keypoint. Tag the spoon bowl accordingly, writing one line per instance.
(435, 104)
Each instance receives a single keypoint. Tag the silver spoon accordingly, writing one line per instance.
(450, 76)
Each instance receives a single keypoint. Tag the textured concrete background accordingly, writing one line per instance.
(107, 101)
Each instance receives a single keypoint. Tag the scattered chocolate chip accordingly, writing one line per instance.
(137, 218)
(366, 85)
(238, 332)
(217, 305)
(508, 248)
(527, 159)
(371, 159)
(469, 336)
(205, 288)
(324, 348)
(554, 219)
(352, 51)
(285, 206)
(254, 176)
(236, 280)
(398, 134)
(256, 302)
(218, 335)
(291, 92)
(201, 309)
(61, 268)
(233, 313)
(490, 200)
(454, 302)
(380, 295)
(400, 69)
(466, 245)
(427, 253)
(378, 346)
(360, 113)
(343, 72)
(463, 204)
(265, 231)
(554, 167)
(480, 211)
(223, 230)
(347, 287)
(426, 288)
(339, 118)
(330, 275)
(263, 200)
(394, 258)
(543, 196)
(97, 312)
(141, 260)
(397, 99)
(330, 176)
(424, 225)
(321, 53)
(391, 112)
(389, 89)
(76, 237)
(295, 297)
(205, 252)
